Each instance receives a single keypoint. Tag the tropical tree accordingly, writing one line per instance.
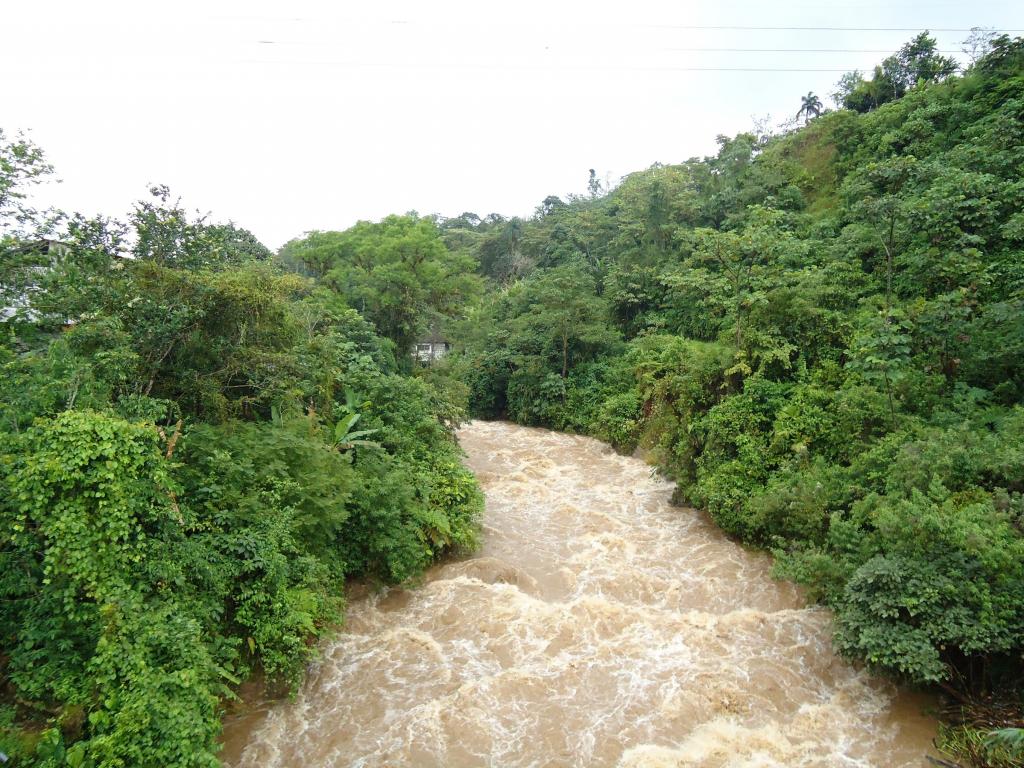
(561, 318)
(916, 62)
(22, 165)
(810, 107)
(396, 272)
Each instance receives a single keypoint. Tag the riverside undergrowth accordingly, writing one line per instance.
(198, 448)
(819, 335)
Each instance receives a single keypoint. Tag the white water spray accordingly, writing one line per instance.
(599, 626)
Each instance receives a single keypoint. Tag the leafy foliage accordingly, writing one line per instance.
(397, 273)
(190, 477)
(819, 336)
(822, 347)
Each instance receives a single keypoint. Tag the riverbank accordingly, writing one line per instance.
(598, 625)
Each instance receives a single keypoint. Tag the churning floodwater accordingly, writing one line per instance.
(598, 626)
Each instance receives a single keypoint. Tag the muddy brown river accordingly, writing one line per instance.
(598, 626)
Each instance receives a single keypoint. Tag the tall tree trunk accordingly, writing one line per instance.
(565, 355)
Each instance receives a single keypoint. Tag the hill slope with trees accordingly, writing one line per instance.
(197, 449)
(820, 337)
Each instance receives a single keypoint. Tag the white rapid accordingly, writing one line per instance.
(598, 626)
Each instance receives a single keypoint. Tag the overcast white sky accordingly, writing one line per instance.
(291, 116)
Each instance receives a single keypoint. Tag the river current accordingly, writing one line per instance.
(598, 626)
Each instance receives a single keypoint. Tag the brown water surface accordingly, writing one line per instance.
(598, 626)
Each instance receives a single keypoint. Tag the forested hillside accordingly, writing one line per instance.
(197, 448)
(818, 335)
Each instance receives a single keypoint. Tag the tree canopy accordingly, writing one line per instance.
(185, 489)
(397, 273)
(819, 337)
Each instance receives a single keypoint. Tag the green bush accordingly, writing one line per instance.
(946, 581)
(618, 421)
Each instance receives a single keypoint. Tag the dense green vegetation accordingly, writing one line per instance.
(197, 449)
(820, 336)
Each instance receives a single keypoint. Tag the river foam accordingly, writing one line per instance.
(599, 626)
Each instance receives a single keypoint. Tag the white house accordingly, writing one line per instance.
(431, 347)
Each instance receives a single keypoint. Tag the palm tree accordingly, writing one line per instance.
(810, 107)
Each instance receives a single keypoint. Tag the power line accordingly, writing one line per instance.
(823, 29)
(310, 44)
(743, 69)
(736, 27)
(792, 50)
(545, 68)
